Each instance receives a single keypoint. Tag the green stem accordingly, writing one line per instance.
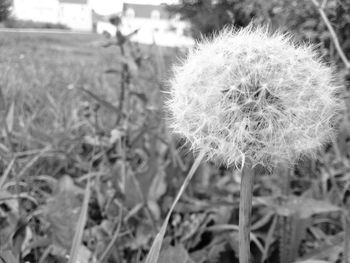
(245, 209)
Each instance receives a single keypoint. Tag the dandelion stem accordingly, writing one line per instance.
(245, 208)
(346, 253)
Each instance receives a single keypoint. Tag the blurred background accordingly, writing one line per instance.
(89, 168)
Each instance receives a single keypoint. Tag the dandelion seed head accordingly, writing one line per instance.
(253, 94)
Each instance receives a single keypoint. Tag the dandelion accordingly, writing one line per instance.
(253, 95)
(250, 97)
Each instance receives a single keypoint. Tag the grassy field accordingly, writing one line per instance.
(72, 109)
(36, 68)
(89, 169)
(43, 75)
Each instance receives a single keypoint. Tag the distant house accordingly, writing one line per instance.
(154, 24)
(146, 16)
(76, 14)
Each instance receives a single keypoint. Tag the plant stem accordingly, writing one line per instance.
(346, 239)
(335, 39)
(346, 252)
(245, 209)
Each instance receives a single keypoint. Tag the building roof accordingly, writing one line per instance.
(82, 2)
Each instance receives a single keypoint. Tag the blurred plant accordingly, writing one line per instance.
(320, 8)
(299, 17)
(5, 11)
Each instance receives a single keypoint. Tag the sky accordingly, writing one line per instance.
(108, 7)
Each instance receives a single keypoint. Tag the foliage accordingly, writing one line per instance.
(16, 23)
(299, 17)
(5, 6)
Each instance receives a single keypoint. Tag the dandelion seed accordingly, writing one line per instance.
(254, 94)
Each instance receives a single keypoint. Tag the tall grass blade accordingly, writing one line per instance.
(80, 226)
(10, 117)
(28, 165)
(6, 173)
(153, 254)
(114, 238)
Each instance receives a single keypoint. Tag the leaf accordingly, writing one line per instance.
(305, 207)
(103, 102)
(143, 235)
(31, 162)
(263, 221)
(141, 96)
(177, 254)
(269, 238)
(84, 255)
(19, 236)
(62, 211)
(7, 257)
(78, 235)
(211, 252)
(215, 251)
(329, 249)
(6, 173)
(133, 193)
(154, 208)
(158, 187)
(96, 141)
(10, 117)
(232, 227)
(2, 101)
(10, 200)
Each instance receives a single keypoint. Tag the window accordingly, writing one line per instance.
(130, 13)
(155, 15)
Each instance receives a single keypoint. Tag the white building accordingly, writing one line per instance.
(154, 23)
(75, 14)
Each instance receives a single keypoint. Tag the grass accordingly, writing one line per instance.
(86, 175)
(61, 102)
(51, 62)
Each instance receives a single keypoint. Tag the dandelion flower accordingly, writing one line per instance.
(250, 94)
(249, 97)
